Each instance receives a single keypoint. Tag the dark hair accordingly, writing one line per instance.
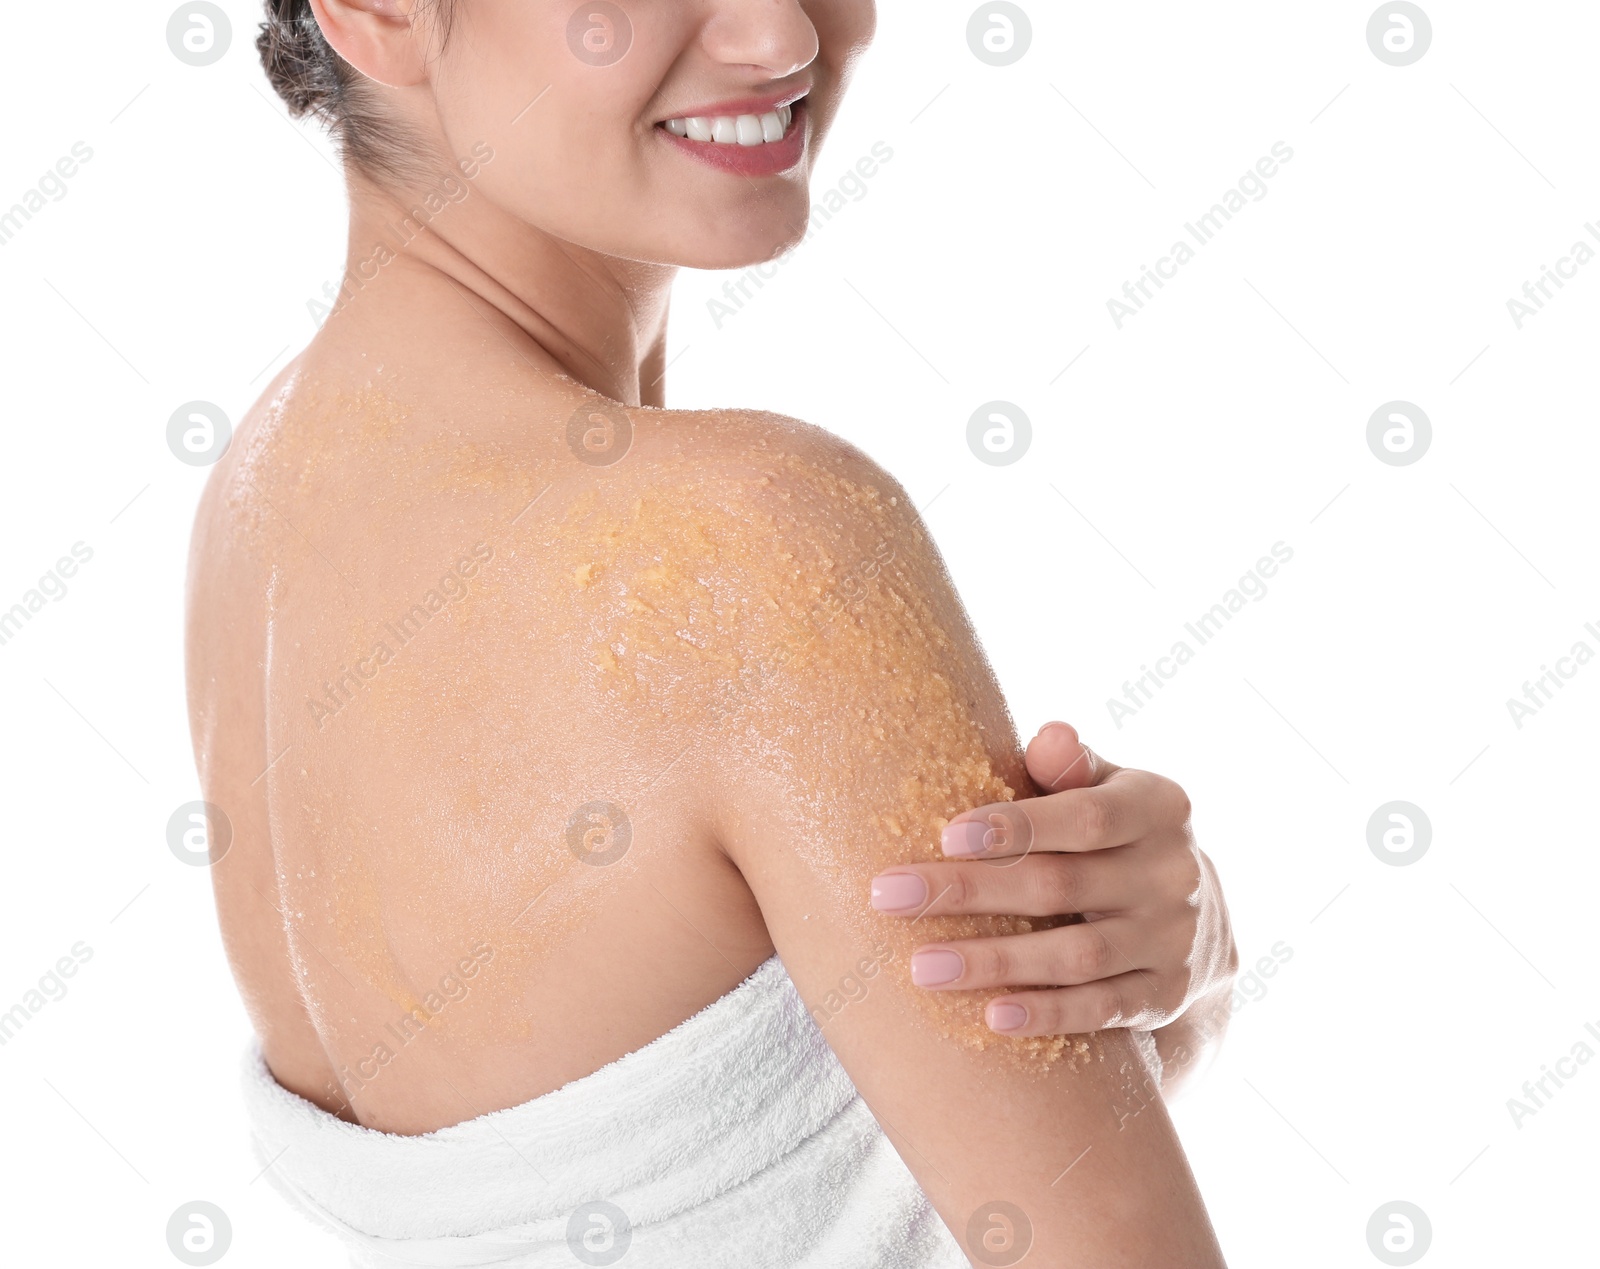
(314, 80)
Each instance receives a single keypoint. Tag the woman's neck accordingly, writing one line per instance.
(435, 259)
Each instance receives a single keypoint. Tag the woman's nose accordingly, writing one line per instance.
(776, 36)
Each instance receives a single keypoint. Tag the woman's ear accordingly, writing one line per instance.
(375, 37)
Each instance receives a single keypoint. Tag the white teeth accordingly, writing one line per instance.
(746, 130)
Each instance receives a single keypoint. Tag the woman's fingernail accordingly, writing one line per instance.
(936, 968)
(1007, 1017)
(966, 838)
(898, 892)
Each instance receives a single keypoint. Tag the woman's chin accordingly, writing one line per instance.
(744, 251)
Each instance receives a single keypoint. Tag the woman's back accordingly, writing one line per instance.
(464, 870)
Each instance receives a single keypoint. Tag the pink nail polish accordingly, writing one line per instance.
(965, 839)
(899, 892)
(1007, 1017)
(936, 968)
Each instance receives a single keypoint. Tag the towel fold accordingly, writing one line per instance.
(736, 1139)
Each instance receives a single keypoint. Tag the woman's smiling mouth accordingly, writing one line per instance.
(751, 138)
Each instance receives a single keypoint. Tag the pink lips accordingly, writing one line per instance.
(767, 159)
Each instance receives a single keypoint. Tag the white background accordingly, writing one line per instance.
(1229, 415)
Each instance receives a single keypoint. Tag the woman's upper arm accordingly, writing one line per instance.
(872, 720)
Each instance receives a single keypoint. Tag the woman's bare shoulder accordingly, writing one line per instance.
(732, 443)
(717, 536)
(731, 479)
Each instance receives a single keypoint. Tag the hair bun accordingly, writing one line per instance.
(314, 80)
(303, 69)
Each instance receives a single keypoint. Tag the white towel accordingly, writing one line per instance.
(735, 1140)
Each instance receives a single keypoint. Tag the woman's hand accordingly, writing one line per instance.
(1114, 845)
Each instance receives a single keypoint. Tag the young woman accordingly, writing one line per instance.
(544, 716)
